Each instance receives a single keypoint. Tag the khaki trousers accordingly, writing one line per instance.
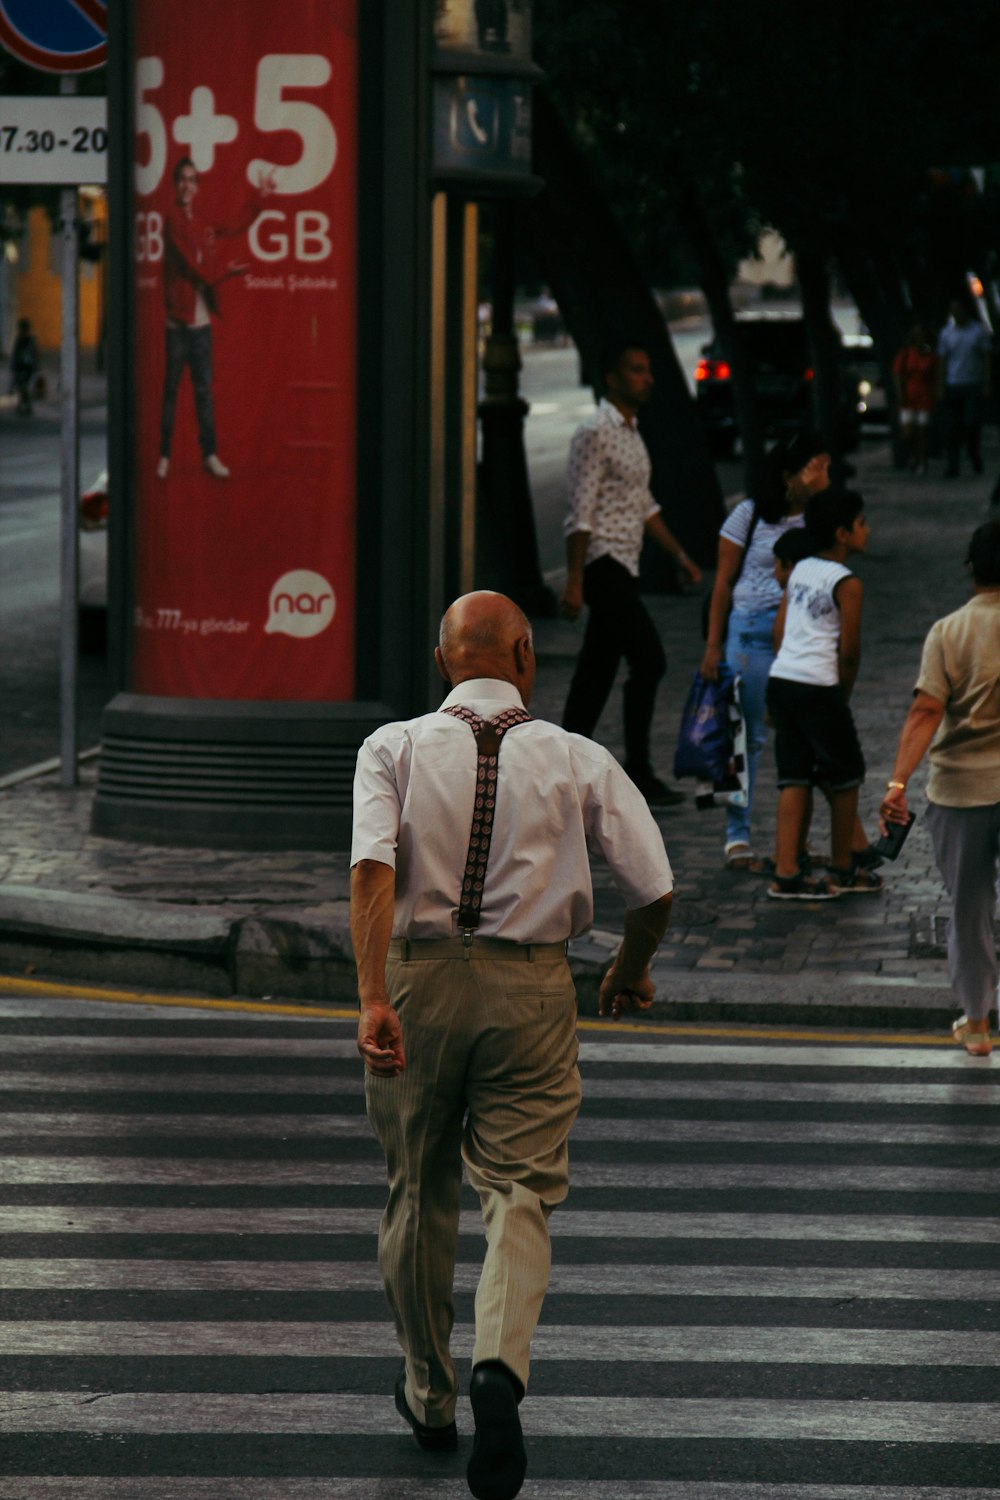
(489, 1033)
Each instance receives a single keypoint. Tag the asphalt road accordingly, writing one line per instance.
(29, 587)
(776, 1274)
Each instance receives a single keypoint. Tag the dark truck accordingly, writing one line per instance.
(778, 350)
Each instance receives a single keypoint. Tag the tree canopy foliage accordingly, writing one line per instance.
(841, 125)
(823, 120)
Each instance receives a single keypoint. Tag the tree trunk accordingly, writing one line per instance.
(715, 285)
(886, 315)
(603, 294)
(814, 281)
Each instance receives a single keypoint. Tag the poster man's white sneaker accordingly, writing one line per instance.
(216, 467)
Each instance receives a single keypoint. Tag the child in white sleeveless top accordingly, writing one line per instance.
(818, 633)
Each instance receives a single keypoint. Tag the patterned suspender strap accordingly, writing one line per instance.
(489, 733)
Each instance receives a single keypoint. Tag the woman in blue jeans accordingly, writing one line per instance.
(746, 596)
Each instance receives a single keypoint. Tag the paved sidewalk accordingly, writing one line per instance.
(93, 384)
(276, 924)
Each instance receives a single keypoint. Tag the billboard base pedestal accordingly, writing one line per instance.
(230, 775)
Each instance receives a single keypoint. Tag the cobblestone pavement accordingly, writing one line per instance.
(723, 922)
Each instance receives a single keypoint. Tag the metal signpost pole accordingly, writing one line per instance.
(59, 141)
(69, 393)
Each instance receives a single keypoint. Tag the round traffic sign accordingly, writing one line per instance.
(57, 36)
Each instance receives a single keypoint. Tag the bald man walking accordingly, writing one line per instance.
(469, 873)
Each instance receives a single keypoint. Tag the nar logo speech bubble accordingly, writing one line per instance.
(302, 605)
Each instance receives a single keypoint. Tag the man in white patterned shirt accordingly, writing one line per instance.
(610, 509)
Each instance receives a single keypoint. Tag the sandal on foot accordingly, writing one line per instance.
(798, 888)
(867, 858)
(976, 1043)
(739, 856)
(855, 881)
(767, 866)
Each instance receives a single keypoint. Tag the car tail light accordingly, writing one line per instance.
(712, 369)
(808, 375)
(94, 507)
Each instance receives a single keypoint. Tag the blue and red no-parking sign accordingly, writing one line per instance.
(57, 36)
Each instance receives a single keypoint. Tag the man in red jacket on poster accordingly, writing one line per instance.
(192, 274)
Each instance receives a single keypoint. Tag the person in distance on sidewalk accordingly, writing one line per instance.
(914, 372)
(963, 377)
(956, 714)
(610, 510)
(468, 1012)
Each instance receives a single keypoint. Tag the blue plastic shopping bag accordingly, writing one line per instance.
(705, 743)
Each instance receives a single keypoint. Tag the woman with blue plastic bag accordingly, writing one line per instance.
(745, 600)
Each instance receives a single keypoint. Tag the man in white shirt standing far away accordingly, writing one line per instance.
(610, 510)
(963, 380)
(469, 873)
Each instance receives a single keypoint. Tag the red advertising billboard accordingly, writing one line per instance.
(246, 293)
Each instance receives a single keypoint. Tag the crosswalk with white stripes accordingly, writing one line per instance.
(777, 1274)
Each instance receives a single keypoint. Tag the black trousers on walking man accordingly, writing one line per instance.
(619, 626)
(963, 410)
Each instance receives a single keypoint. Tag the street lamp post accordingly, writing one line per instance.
(482, 152)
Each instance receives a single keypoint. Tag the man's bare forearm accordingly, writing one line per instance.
(576, 551)
(921, 725)
(644, 929)
(373, 889)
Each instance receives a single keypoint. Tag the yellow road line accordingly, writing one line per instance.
(776, 1034)
(13, 985)
(10, 985)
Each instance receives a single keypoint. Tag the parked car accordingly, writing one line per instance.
(92, 566)
(859, 356)
(777, 346)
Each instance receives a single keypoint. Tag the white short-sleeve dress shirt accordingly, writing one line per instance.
(608, 482)
(558, 795)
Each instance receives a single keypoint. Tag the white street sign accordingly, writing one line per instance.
(58, 139)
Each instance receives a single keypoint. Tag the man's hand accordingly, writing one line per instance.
(894, 808)
(689, 567)
(627, 985)
(617, 998)
(380, 1040)
(572, 600)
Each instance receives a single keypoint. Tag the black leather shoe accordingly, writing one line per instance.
(656, 792)
(496, 1468)
(430, 1439)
